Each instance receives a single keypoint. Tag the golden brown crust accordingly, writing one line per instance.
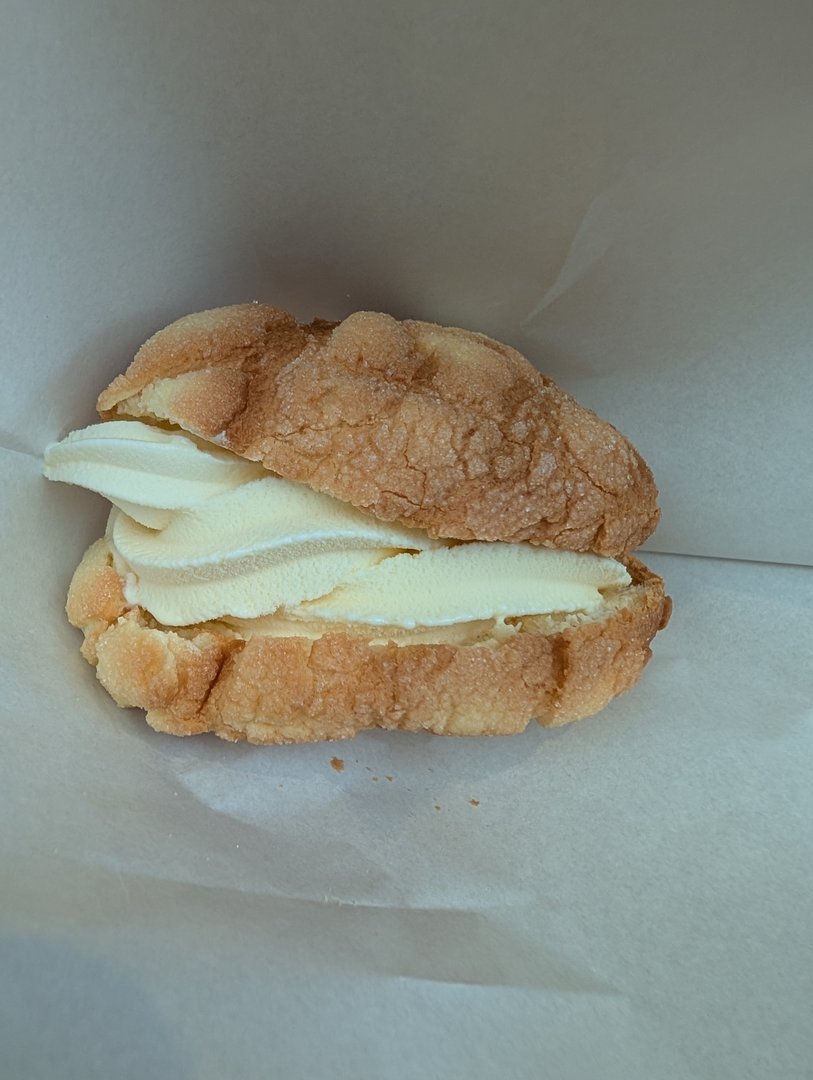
(283, 690)
(438, 428)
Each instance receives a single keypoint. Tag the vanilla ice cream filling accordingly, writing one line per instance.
(199, 534)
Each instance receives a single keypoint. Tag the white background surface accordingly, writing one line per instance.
(624, 194)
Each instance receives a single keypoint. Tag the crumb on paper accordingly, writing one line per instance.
(337, 764)
(437, 806)
(376, 778)
(388, 778)
(474, 802)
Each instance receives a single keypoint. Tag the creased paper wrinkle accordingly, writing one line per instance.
(455, 947)
(6, 447)
(675, 188)
(591, 241)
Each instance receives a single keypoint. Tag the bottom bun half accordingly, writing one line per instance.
(197, 679)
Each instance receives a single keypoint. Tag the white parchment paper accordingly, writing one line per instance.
(623, 192)
(628, 896)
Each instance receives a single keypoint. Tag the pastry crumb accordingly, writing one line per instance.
(474, 802)
(337, 763)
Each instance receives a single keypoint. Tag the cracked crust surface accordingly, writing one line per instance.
(438, 428)
(296, 689)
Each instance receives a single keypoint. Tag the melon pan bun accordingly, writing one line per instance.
(282, 690)
(435, 427)
(438, 428)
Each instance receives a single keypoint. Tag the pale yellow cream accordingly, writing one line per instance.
(199, 534)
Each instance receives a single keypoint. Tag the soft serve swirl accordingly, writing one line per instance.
(198, 534)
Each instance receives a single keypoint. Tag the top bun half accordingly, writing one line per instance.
(438, 428)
